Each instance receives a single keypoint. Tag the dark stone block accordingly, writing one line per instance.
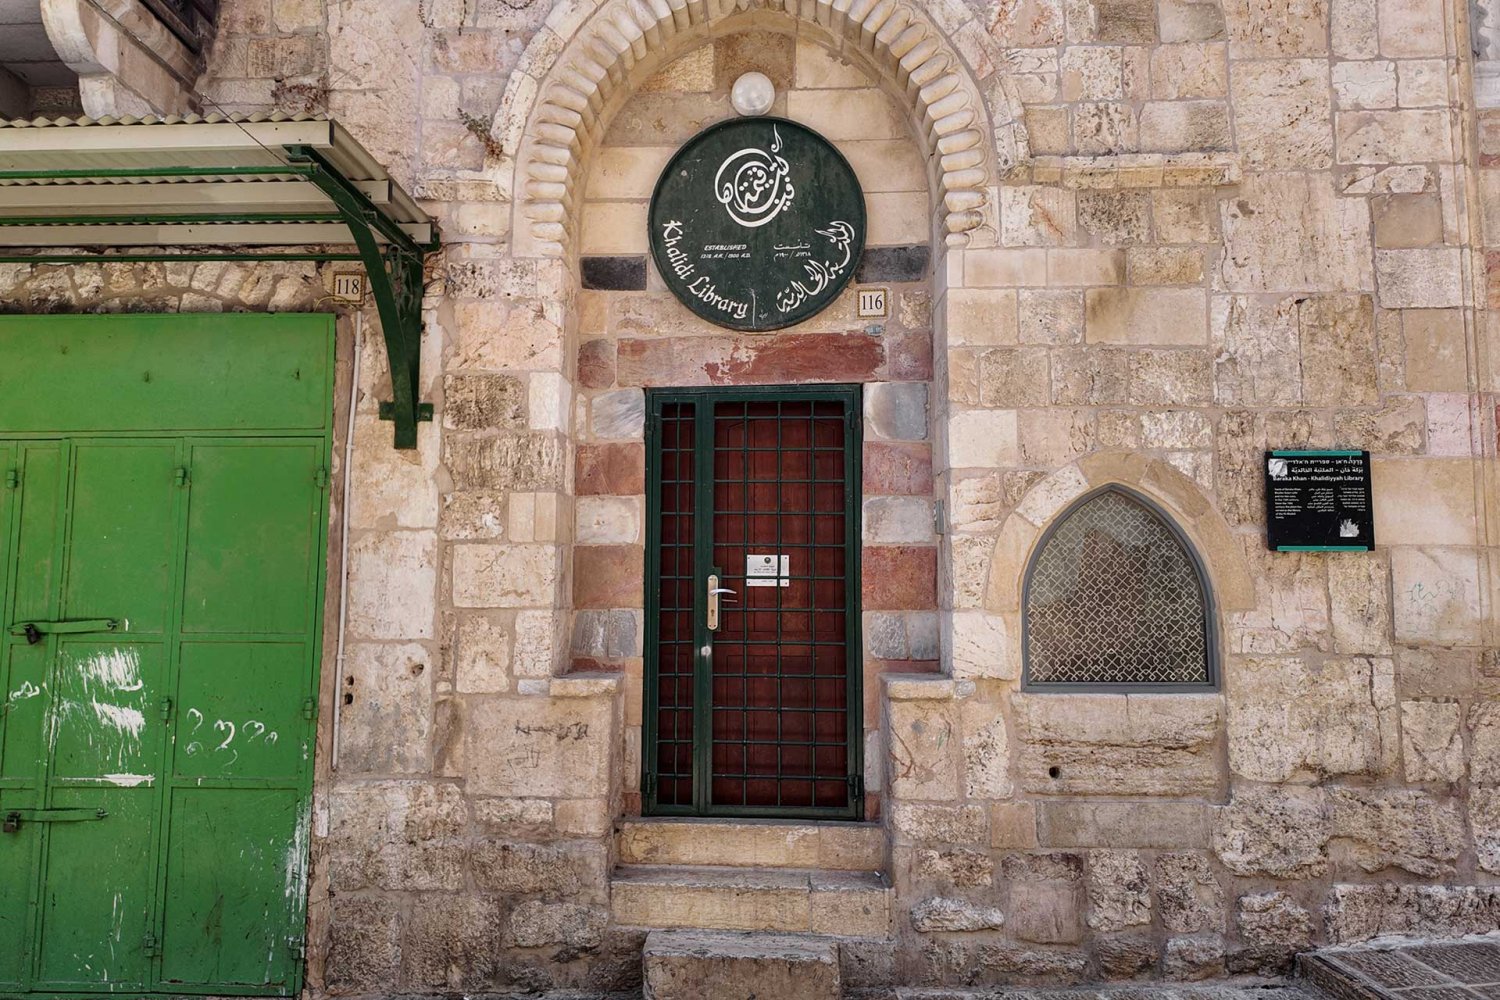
(908, 263)
(613, 274)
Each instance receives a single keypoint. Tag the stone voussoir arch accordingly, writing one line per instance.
(1217, 546)
(584, 60)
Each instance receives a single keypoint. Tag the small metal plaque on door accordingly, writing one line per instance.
(767, 570)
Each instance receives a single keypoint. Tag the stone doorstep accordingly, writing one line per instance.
(846, 904)
(752, 844)
(698, 965)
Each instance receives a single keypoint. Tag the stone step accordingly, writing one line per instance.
(752, 844)
(728, 965)
(849, 904)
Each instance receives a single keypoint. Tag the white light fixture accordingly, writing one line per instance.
(753, 94)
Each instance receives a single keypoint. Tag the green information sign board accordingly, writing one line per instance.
(757, 224)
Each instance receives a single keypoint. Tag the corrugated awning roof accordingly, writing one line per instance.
(259, 180)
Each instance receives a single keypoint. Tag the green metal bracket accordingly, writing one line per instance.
(395, 279)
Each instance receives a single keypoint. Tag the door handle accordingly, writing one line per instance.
(12, 820)
(715, 594)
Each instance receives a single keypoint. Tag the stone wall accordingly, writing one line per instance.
(1203, 229)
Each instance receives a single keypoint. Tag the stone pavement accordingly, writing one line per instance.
(1144, 991)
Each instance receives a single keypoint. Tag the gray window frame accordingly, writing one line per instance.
(1205, 588)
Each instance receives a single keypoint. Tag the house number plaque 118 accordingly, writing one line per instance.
(757, 224)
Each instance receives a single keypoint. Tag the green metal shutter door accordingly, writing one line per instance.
(160, 770)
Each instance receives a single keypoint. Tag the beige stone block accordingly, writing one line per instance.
(1360, 603)
(1271, 29)
(982, 645)
(1290, 720)
(519, 335)
(982, 439)
(1013, 825)
(692, 73)
(1429, 278)
(923, 823)
(614, 228)
(1027, 23)
(816, 68)
(986, 750)
(1139, 824)
(1431, 745)
(924, 748)
(1290, 232)
(1352, 29)
(504, 576)
(1256, 348)
(841, 115)
(848, 904)
(1412, 28)
(1291, 610)
(542, 747)
(1049, 130)
(764, 900)
(387, 721)
(625, 173)
(1184, 126)
(1051, 437)
(1189, 70)
(1452, 420)
(1393, 137)
(897, 219)
(1337, 336)
(1167, 316)
(1436, 593)
(1085, 267)
(1435, 344)
(1037, 216)
(1422, 83)
(1164, 265)
(1014, 377)
(606, 520)
(886, 165)
(481, 656)
(981, 316)
(1367, 84)
(1003, 268)
(1185, 215)
(1282, 113)
(1105, 128)
(1407, 220)
(1050, 316)
(1012, 548)
(1091, 73)
(393, 576)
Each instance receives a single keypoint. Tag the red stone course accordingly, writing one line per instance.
(899, 578)
(610, 470)
(608, 576)
(897, 468)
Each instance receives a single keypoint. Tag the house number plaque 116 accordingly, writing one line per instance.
(757, 224)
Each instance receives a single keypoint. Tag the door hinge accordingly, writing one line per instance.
(648, 784)
(939, 519)
(12, 478)
(309, 708)
(298, 948)
(165, 708)
(856, 786)
(180, 476)
(150, 946)
(320, 479)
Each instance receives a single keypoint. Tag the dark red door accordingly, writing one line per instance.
(753, 644)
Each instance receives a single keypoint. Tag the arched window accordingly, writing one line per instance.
(1115, 598)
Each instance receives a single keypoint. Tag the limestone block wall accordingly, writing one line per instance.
(1196, 229)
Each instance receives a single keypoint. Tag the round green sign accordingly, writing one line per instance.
(757, 223)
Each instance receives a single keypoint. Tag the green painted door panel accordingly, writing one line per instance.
(223, 372)
(96, 891)
(241, 712)
(17, 861)
(234, 874)
(122, 538)
(252, 515)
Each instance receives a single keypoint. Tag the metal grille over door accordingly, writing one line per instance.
(754, 653)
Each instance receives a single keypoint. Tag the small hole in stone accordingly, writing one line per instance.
(348, 699)
(1054, 772)
(417, 668)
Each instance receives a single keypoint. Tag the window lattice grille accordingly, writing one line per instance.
(1115, 598)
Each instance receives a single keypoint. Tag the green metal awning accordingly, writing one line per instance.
(264, 187)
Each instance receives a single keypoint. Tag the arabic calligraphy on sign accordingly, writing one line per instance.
(754, 185)
(757, 224)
